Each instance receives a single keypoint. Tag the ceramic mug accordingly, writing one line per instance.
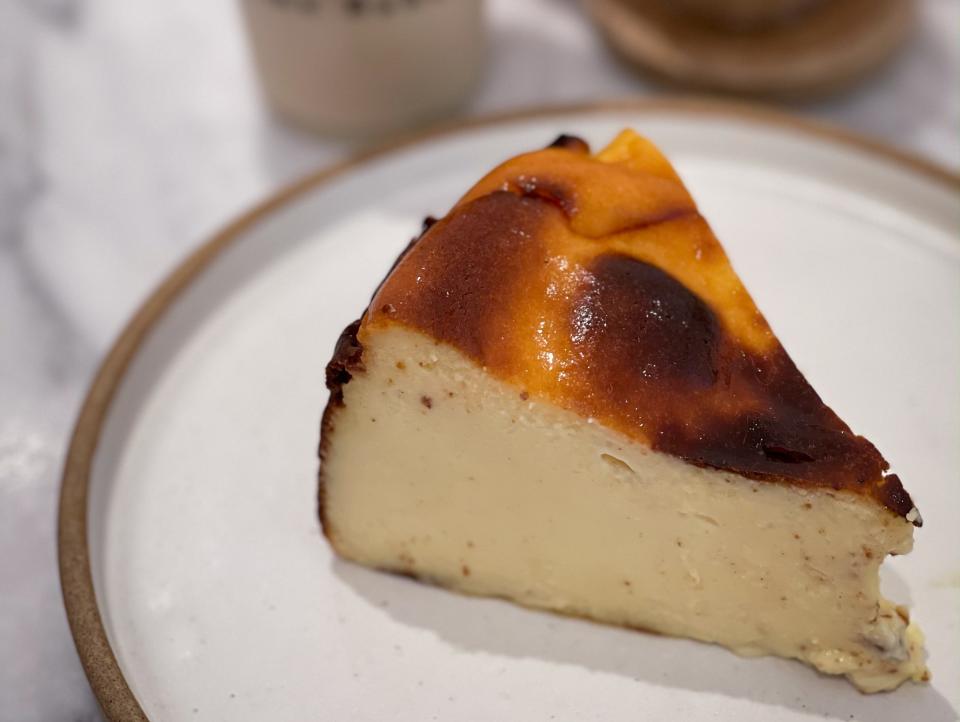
(365, 67)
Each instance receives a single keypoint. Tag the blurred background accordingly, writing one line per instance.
(131, 131)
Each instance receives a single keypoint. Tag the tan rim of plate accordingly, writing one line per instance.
(818, 52)
(99, 662)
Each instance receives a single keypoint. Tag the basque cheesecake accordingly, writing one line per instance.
(563, 395)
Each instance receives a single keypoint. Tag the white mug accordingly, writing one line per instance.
(365, 67)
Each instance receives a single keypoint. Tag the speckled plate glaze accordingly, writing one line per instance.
(195, 577)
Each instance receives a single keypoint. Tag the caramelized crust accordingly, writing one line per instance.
(593, 282)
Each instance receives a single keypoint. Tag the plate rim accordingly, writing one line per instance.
(97, 657)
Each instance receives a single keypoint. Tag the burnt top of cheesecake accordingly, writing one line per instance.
(592, 281)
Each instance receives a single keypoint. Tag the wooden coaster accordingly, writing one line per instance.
(816, 52)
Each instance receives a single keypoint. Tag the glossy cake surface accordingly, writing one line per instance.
(592, 281)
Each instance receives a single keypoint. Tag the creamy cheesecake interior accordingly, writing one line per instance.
(435, 468)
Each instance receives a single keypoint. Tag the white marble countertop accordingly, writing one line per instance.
(130, 131)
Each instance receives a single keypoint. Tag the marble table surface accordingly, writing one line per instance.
(129, 131)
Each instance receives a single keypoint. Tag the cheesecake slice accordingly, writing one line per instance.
(563, 395)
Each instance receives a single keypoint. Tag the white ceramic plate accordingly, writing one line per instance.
(193, 470)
